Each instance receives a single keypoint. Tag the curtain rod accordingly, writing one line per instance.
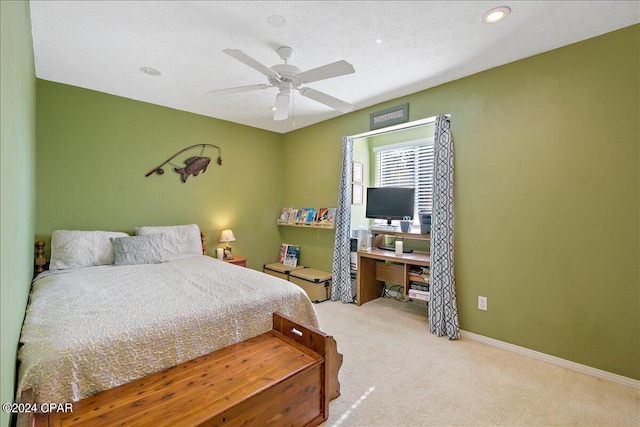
(402, 126)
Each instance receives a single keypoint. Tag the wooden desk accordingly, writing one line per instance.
(376, 266)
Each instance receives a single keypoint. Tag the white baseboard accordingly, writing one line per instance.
(554, 360)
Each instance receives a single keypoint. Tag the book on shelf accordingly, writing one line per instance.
(284, 214)
(419, 286)
(305, 216)
(325, 217)
(421, 295)
(293, 214)
(420, 274)
(288, 215)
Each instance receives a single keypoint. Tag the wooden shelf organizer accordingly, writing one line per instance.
(309, 225)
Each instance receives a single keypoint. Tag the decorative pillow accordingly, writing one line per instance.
(151, 249)
(75, 248)
(182, 240)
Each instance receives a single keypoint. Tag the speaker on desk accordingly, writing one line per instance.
(425, 222)
(354, 244)
(354, 267)
(363, 236)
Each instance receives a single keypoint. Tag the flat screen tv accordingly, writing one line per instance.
(390, 203)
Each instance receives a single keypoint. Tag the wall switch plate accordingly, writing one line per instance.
(482, 303)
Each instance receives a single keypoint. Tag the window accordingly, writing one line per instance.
(408, 164)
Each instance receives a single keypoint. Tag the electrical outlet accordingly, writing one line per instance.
(482, 303)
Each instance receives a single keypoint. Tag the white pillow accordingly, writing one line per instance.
(132, 250)
(184, 240)
(75, 248)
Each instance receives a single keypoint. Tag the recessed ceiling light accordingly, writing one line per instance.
(379, 41)
(277, 21)
(150, 71)
(496, 14)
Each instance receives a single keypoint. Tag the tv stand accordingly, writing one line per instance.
(376, 266)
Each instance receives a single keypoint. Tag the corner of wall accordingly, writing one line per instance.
(18, 122)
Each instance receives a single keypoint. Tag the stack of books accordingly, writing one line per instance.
(419, 284)
(289, 255)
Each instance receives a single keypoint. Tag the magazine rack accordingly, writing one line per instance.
(323, 218)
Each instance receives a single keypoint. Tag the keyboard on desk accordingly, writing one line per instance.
(393, 248)
(383, 228)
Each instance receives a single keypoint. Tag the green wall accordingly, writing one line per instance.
(94, 150)
(546, 196)
(17, 183)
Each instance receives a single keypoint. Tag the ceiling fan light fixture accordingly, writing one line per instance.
(281, 111)
(496, 14)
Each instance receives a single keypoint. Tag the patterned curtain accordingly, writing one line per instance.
(443, 310)
(341, 272)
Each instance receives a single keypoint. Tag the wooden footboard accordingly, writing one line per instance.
(318, 342)
(286, 376)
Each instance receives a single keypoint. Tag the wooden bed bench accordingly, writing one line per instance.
(286, 376)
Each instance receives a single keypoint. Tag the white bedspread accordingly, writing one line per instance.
(95, 328)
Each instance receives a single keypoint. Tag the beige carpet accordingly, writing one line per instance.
(395, 373)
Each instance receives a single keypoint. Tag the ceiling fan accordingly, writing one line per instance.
(288, 77)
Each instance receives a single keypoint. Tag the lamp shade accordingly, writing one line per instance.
(227, 236)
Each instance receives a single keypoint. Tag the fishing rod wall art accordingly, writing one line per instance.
(193, 165)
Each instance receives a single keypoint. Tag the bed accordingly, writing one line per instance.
(136, 305)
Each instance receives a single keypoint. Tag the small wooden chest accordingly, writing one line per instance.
(316, 283)
(280, 270)
(286, 376)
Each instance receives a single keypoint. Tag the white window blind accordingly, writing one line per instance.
(408, 165)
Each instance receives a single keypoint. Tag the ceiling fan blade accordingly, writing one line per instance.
(282, 107)
(323, 98)
(246, 59)
(240, 89)
(335, 69)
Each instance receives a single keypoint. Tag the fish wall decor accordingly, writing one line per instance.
(193, 165)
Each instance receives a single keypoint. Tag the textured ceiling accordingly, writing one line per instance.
(101, 45)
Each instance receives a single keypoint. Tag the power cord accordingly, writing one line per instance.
(397, 289)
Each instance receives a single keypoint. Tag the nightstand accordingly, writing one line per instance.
(242, 262)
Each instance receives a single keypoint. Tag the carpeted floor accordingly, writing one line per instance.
(395, 373)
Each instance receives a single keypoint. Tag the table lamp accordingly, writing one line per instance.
(226, 237)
